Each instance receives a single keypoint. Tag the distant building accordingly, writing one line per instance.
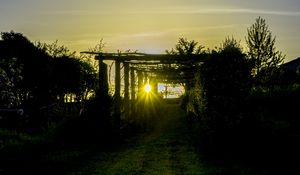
(293, 66)
(291, 72)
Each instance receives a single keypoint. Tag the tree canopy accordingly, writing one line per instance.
(262, 50)
(41, 72)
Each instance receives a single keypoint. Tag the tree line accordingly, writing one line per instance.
(41, 73)
(230, 71)
(244, 99)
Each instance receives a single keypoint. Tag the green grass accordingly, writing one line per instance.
(21, 152)
(167, 149)
(14, 139)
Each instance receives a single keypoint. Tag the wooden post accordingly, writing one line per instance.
(132, 86)
(132, 83)
(145, 78)
(126, 89)
(102, 96)
(103, 82)
(117, 96)
(154, 85)
(166, 91)
(139, 93)
(140, 82)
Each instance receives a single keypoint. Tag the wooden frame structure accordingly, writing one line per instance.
(176, 68)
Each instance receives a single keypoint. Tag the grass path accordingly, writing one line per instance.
(167, 149)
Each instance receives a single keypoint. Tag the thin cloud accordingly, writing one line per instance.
(146, 34)
(241, 11)
(217, 11)
(177, 10)
(173, 31)
(74, 12)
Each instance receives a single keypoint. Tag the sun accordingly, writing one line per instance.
(147, 88)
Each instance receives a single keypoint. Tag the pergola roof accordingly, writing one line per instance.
(166, 67)
(143, 58)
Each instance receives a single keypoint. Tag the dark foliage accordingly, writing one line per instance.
(94, 125)
(262, 52)
(46, 77)
(36, 67)
(72, 76)
(270, 129)
(37, 79)
(225, 81)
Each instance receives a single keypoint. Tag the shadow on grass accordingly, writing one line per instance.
(62, 148)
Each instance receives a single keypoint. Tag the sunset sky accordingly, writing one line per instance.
(150, 26)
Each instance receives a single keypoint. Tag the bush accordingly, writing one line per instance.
(92, 126)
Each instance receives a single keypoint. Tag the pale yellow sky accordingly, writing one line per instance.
(149, 26)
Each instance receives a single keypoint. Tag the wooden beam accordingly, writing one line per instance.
(115, 54)
(147, 57)
(161, 58)
(144, 63)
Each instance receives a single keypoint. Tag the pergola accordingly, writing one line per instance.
(174, 68)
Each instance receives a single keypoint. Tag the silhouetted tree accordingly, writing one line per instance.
(72, 76)
(189, 50)
(262, 50)
(36, 68)
(55, 50)
(47, 70)
(186, 47)
(10, 75)
(225, 82)
(91, 58)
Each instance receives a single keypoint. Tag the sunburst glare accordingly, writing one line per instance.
(147, 88)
